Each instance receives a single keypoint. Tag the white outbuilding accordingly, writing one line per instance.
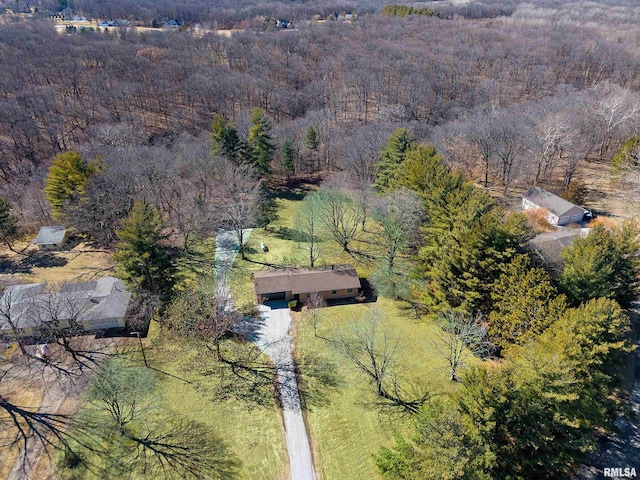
(559, 211)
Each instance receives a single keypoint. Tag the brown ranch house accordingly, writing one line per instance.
(332, 283)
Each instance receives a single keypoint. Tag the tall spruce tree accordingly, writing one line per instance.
(261, 145)
(313, 145)
(603, 264)
(288, 157)
(392, 156)
(525, 304)
(143, 261)
(9, 230)
(227, 142)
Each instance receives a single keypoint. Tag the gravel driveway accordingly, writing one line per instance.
(271, 334)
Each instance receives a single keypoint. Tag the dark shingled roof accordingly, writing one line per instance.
(306, 280)
(50, 235)
(549, 246)
(550, 201)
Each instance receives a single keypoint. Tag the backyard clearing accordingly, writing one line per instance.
(81, 263)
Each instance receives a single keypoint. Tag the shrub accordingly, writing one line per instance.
(537, 220)
(293, 304)
(576, 192)
(249, 309)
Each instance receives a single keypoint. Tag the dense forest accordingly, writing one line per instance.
(530, 95)
(414, 130)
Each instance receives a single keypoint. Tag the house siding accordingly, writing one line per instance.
(327, 295)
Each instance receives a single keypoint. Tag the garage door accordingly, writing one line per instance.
(275, 296)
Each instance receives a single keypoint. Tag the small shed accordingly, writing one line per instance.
(51, 238)
(332, 283)
(559, 211)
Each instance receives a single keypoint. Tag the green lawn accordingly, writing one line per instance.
(345, 426)
(349, 428)
(253, 434)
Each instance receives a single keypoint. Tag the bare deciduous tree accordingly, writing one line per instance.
(461, 336)
(368, 344)
(239, 200)
(341, 216)
(314, 303)
(309, 226)
(399, 214)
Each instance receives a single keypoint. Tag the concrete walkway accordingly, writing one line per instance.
(271, 334)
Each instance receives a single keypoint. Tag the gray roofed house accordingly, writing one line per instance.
(549, 246)
(334, 282)
(96, 305)
(559, 211)
(50, 238)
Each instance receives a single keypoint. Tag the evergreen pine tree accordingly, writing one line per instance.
(9, 230)
(525, 303)
(603, 264)
(313, 144)
(143, 262)
(288, 157)
(391, 158)
(67, 178)
(226, 139)
(260, 143)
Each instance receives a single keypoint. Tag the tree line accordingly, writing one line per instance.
(536, 411)
(521, 102)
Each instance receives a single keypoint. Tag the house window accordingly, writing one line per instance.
(350, 290)
(333, 292)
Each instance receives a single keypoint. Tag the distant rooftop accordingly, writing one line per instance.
(50, 235)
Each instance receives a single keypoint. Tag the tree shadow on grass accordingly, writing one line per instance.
(26, 264)
(286, 233)
(294, 193)
(317, 377)
(245, 375)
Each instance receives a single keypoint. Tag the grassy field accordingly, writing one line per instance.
(346, 428)
(26, 393)
(350, 428)
(81, 263)
(253, 434)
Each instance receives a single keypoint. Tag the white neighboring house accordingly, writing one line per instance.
(51, 238)
(108, 23)
(97, 305)
(559, 211)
